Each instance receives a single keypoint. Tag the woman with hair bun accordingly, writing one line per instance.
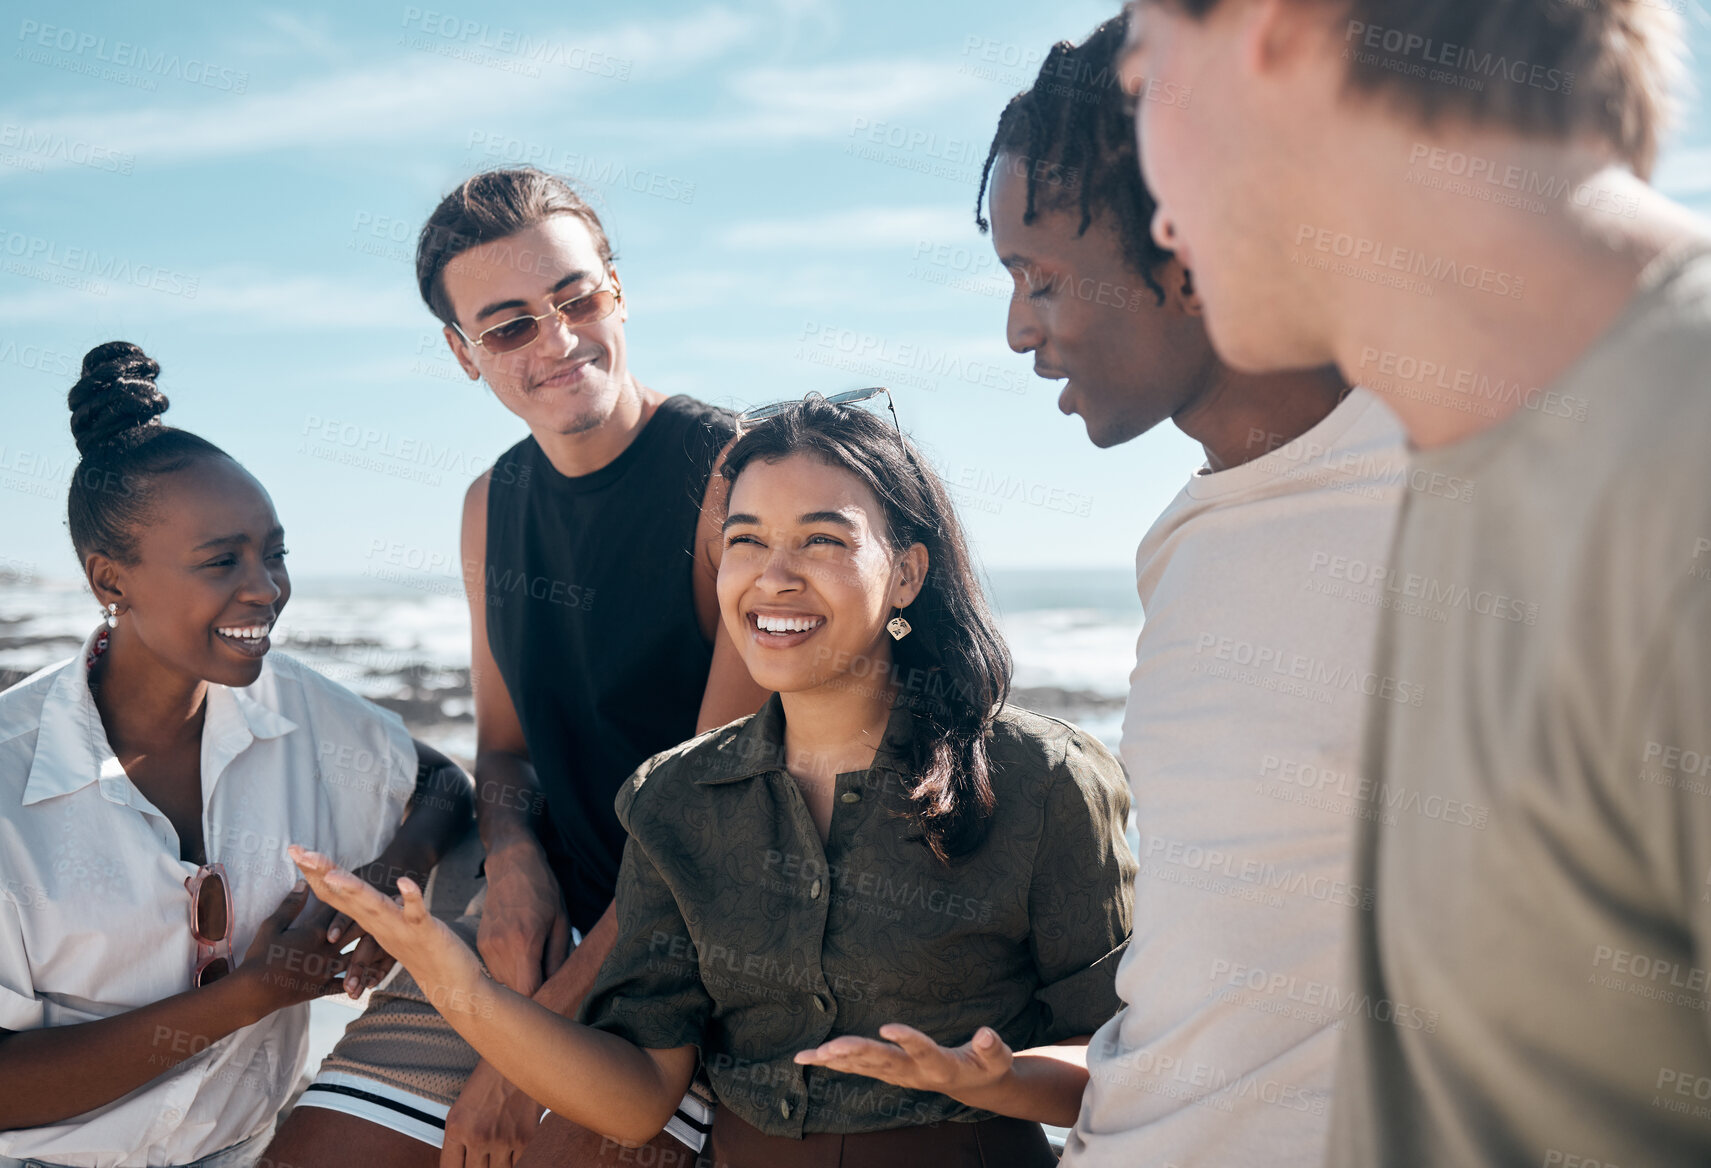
(157, 954)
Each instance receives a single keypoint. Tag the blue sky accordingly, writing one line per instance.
(789, 185)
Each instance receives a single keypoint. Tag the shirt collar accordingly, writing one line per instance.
(758, 747)
(72, 749)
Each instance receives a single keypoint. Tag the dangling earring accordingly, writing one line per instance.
(897, 626)
(112, 615)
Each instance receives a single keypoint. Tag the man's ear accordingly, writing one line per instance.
(623, 305)
(1282, 34)
(1178, 284)
(460, 350)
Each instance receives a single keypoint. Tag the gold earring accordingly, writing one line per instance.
(897, 626)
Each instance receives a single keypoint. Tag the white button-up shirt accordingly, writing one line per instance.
(94, 913)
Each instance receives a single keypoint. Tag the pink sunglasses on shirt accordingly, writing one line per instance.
(211, 922)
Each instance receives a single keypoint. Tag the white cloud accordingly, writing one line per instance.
(252, 300)
(857, 229)
(418, 94)
(827, 100)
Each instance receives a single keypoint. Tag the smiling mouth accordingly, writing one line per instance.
(784, 632)
(569, 375)
(250, 640)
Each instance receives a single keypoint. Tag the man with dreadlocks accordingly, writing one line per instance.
(1244, 712)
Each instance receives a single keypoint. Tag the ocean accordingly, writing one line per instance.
(405, 644)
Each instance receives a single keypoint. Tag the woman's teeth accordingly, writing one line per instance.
(789, 624)
(245, 632)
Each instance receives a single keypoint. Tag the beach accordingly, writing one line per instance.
(404, 644)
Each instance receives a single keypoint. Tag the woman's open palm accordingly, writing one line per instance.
(404, 927)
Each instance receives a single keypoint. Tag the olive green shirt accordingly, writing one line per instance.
(740, 934)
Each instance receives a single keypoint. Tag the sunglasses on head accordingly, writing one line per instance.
(849, 397)
(520, 331)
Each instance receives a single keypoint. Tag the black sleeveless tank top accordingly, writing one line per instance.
(591, 619)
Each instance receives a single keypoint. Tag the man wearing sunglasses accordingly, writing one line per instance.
(589, 553)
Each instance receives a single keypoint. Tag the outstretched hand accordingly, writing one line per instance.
(443, 966)
(911, 1059)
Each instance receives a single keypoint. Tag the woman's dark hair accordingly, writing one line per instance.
(115, 419)
(490, 206)
(1073, 136)
(953, 667)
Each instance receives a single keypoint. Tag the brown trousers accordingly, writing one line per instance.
(992, 1143)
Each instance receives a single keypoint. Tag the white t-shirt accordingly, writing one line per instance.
(94, 913)
(1241, 739)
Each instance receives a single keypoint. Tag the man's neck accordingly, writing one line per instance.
(1532, 292)
(1243, 417)
(583, 453)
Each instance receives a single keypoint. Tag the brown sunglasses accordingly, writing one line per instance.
(521, 331)
(211, 922)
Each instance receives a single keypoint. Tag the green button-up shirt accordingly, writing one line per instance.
(740, 934)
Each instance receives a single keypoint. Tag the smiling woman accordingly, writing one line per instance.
(154, 986)
(886, 901)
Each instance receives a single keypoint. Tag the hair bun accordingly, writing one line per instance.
(115, 398)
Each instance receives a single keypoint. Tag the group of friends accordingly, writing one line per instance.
(775, 874)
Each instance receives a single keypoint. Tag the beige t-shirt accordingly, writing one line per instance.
(1563, 943)
(1242, 742)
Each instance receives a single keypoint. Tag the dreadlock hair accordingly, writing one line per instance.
(115, 420)
(954, 668)
(1073, 136)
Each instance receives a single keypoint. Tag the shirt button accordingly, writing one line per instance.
(172, 1115)
(784, 1108)
(851, 796)
(814, 890)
